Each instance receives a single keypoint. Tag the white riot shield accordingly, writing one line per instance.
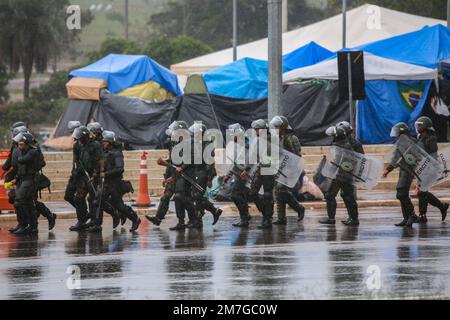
(409, 156)
(443, 156)
(290, 168)
(354, 168)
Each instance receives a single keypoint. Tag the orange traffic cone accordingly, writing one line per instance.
(4, 203)
(143, 198)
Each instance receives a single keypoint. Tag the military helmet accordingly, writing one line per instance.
(399, 129)
(424, 123)
(26, 137)
(18, 124)
(80, 132)
(72, 125)
(259, 124)
(197, 127)
(109, 136)
(346, 126)
(236, 128)
(95, 128)
(176, 125)
(336, 132)
(17, 130)
(280, 122)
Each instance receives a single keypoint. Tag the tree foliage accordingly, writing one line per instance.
(211, 21)
(34, 32)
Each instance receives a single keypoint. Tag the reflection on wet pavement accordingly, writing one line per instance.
(298, 261)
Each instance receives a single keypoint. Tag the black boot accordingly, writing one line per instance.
(136, 223)
(444, 211)
(280, 222)
(241, 224)
(411, 220)
(123, 219)
(327, 221)
(179, 227)
(422, 219)
(301, 214)
(266, 223)
(14, 229)
(402, 224)
(216, 216)
(352, 222)
(78, 226)
(153, 220)
(51, 221)
(95, 229)
(22, 230)
(116, 220)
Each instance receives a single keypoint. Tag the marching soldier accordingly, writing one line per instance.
(428, 141)
(97, 130)
(168, 182)
(283, 195)
(405, 180)
(347, 190)
(264, 203)
(113, 176)
(203, 173)
(239, 193)
(28, 166)
(88, 166)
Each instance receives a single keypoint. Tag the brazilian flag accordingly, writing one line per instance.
(411, 92)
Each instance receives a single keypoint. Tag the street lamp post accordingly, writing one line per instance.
(275, 44)
(234, 30)
(344, 24)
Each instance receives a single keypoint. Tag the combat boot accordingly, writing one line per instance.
(51, 221)
(123, 219)
(352, 222)
(79, 226)
(301, 213)
(21, 231)
(402, 224)
(14, 229)
(116, 220)
(411, 220)
(266, 224)
(179, 227)
(31, 230)
(94, 229)
(153, 220)
(216, 216)
(422, 219)
(241, 224)
(327, 221)
(136, 223)
(280, 222)
(444, 211)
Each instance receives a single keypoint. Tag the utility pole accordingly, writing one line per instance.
(285, 16)
(235, 30)
(344, 24)
(448, 13)
(125, 20)
(275, 59)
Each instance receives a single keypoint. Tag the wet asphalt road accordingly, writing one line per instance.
(300, 261)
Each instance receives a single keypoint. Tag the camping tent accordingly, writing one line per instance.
(396, 92)
(122, 72)
(247, 78)
(365, 24)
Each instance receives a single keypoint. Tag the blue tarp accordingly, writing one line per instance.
(383, 108)
(125, 71)
(247, 78)
(426, 47)
(305, 56)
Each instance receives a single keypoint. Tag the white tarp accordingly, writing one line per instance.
(375, 68)
(365, 24)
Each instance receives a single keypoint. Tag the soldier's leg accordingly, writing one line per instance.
(348, 195)
(283, 197)
(180, 209)
(80, 204)
(43, 210)
(330, 198)
(69, 194)
(24, 205)
(268, 183)
(19, 216)
(239, 197)
(253, 194)
(123, 209)
(425, 198)
(403, 186)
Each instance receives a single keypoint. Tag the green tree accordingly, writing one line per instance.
(168, 51)
(4, 96)
(430, 8)
(32, 33)
(211, 21)
(114, 45)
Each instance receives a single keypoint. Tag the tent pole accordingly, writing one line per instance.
(234, 30)
(344, 24)
(275, 60)
(350, 89)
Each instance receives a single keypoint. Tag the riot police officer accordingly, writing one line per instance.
(96, 129)
(111, 193)
(168, 182)
(405, 179)
(428, 141)
(88, 167)
(203, 175)
(283, 195)
(239, 192)
(28, 166)
(264, 203)
(347, 190)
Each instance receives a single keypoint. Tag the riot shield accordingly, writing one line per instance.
(409, 156)
(290, 168)
(443, 156)
(354, 168)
